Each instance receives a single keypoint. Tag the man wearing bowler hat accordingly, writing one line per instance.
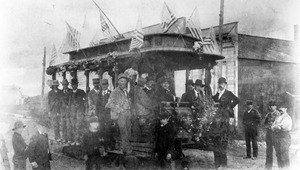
(55, 104)
(225, 101)
(65, 111)
(94, 98)
(120, 105)
(196, 94)
(19, 145)
(77, 112)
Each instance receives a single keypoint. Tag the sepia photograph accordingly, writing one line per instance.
(149, 84)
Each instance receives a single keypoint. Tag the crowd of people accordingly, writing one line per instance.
(86, 120)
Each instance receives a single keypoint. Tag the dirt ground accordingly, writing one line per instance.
(198, 159)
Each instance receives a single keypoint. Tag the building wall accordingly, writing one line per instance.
(262, 81)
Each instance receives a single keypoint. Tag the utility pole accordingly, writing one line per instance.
(44, 70)
(221, 25)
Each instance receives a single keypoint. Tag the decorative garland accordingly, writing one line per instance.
(86, 65)
(51, 70)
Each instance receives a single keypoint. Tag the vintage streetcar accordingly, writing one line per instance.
(160, 55)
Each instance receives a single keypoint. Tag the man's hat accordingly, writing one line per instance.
(74, 81)
(96, 81)
(222, 80)
(55, 83)
(104, 82)
(198, 82)
(272, 103)
(18, 124)
(64, 82)
(190, 82)
(141, 81)
(283, 105)
(122, 75)
(93, 119)
(163, 79)
(249, 102)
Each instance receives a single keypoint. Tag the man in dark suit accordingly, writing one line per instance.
(150, 89)
(77, 104)
(226, 101)
(190, 86)
(54, 104)
(268, 121)
(65, 111)
(196, 93)
(19, 145)
(38, 151)
(251, 120)
(94, 98)
(165, 94)
(104, 113)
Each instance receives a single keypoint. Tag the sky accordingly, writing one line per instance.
(27, 26)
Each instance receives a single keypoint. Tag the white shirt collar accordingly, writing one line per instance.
(196, 92)
(221, 93)
(104, 92)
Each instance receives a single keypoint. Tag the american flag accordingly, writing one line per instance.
(211, 43)
(138, 37)
(106, 30)
(53, 56)
(167, 18)
(214, 43)
(193, 24)
(71, 41)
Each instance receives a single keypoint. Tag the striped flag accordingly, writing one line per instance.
(209, 43)
(71, 41)
(193, 24)
(138, 37)
(107, 28)
(111, 34)
(53, 56)
(167, 18)
(213, 42)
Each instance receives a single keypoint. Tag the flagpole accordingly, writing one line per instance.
(106, 17)
(43, 74)
(221, 25)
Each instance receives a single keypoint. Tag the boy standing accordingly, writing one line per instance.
(164, 140)
(93, 144)
(251, 121)
(19, 145)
